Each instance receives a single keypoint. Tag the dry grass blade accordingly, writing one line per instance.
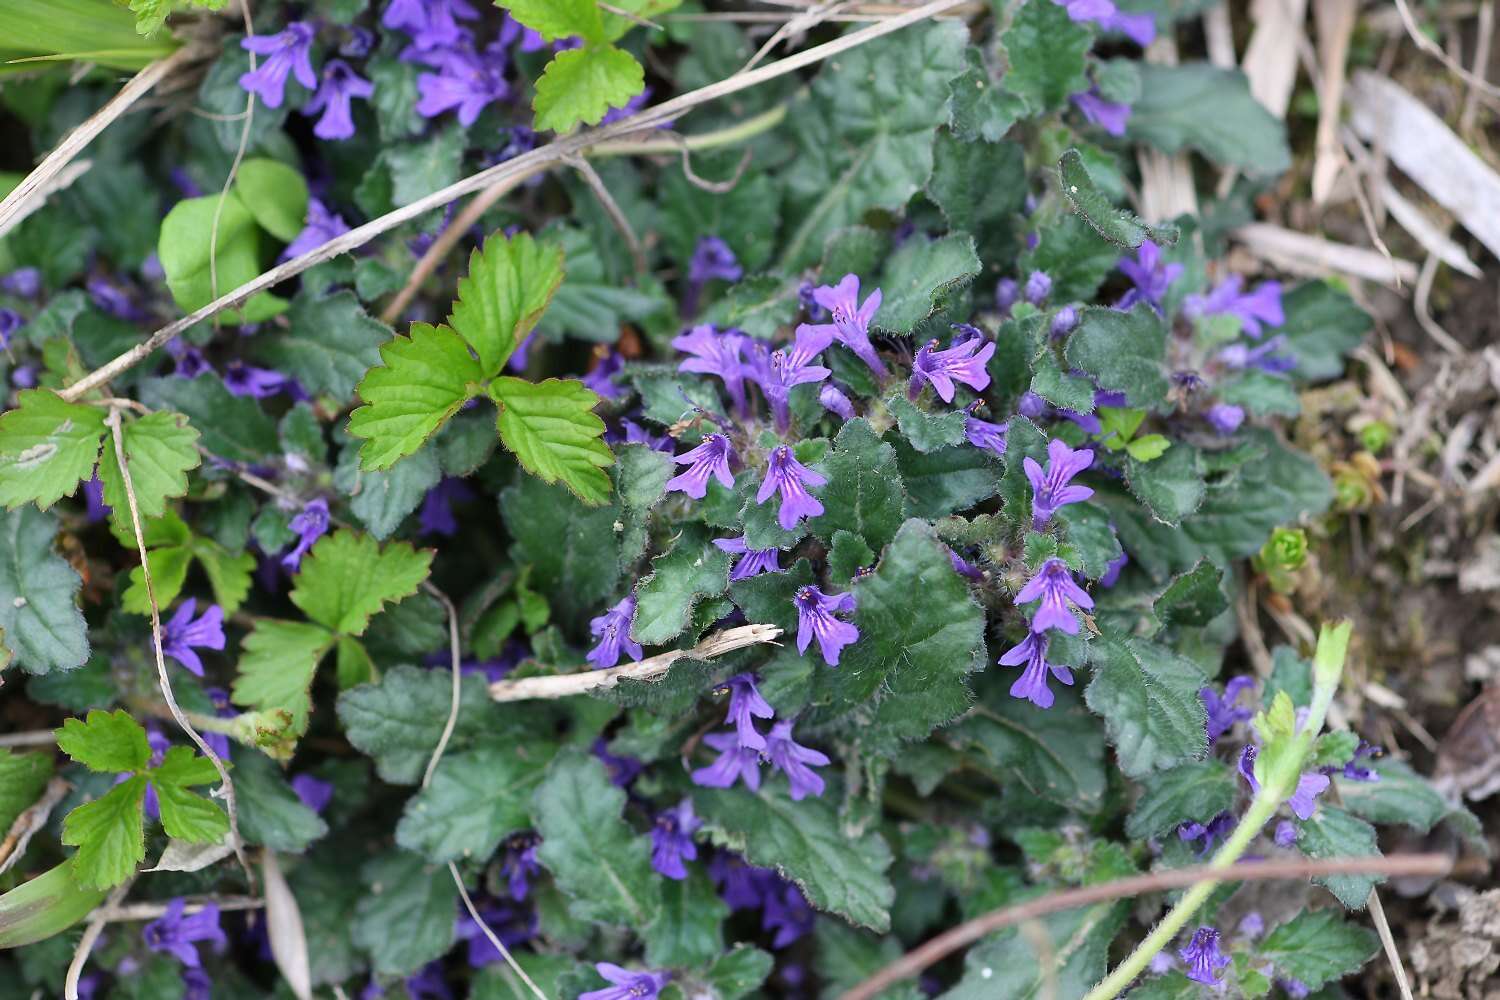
(1314, 257)
(29, 822)
(493, 938)
(284, 928)
(1271, 56)
(454, 658)
(1335, 20)
(90, 938)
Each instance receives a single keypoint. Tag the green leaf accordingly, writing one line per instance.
(1090, 537)
(1048, 55)
(746, 217)
(1261, 393)
(1335, 833)
(552, 430)
(45, 906)
(740, 971)
(595, 857)
(381, 500)
(509, 284)
(1202, 107)
(689, 929)
(1194, 792)
(945, 481)
(476, 799)
(348, 577)
(106, 742)
(406, 919)
(1148, 696)
(580, 85)
(228, 574)
(425, 378)
(270, 813)
(417, 169)
(399, 720)
(864, 494)
(1400, 796)
(330, 342)
(40, 623)
(1011, 964)
(980, 109)
(1123, 351)
(1119, 226)
(277, 663)
(1172, 487)
(925, 431)
(1322, 325)
(1061, 389)
(554, 19)
(591, 303)
(1056, 754)
(160, 449)
(183, 247)
(694, 569)
(1194, 598)
(805, 842)
(23, 776)
(46, 447)
(572, 548)
(1317, 947)
(276, 195)
(109, 835)
(233, 427)
(977, 184)
(1077, 258)
(186, 815)
(921, 278)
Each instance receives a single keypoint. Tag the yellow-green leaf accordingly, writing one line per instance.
(509, 284)
(425, 378)
(552, 429)
(46, 447)
(348, 577)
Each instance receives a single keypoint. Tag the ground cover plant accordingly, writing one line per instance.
(789, 510)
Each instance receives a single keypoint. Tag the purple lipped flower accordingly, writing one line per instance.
(513, 925)
(711, 458)
(358, 44)
(1052, 488)
(1286, 833)
(1225, 417)
(836, 402)
(189, 362)
(715, 353)
(219, 742)
(513, 32)
(622, 770)
(637, 434)
(735, 763)
(183, 634)
(1151, 276)
(321, 226)
(963, 567)
(96, 509)
(159, 744)
(1206, 834)
(310, 524)
(984, 434)
(315, 793)
(795, 761)
(10, 322)
(964, 362)
(436, 513)
(1032, 684)
(1264, 356)
(1354, 770)
(850, 319)
(1007, 294)
(790, 478)
(712, 258)
(335, 99)
(1246, 765)
(627, 985)
(256, 383)
(1256, 309)
(601, 378)
(196, 985)
(1031, 406)
(1304, 800)
(1064, 321)
(745, 706)
(742, 886)
(23, 282)
(779, 372)
(755, 561)
(112, 298)
(431, 24)
(1053, 585)
(1111, 116)
(1038, 287)
(612, 629)
(1205, 962)
(815, 618)
(520, 865)
(1112, 570)
(174, 934)
(1139, 28)
(23, 376)
(289, 52)
(467, 81)
(672, 840)
(1224, 712)
(1252, 925)
(786, 914)
(522, 356)
(428, 983)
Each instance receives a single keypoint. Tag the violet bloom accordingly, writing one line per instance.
(1225, 417)
(1354, 770)
(310, 524)
(622, 770)
(986, 435)
(1304, 800)
(335, 99)
(627, 985)
(95, 509)
(1139, 28)
(1064, 321)
(196, 985)
(836, 402)
(711, 458)
(755, 561)
(815, 618)
(790, 478)
(1264, 357)
(111, 298)
(1286, 833)
(795, 761)
(851, 319)
(601, 378)
(183, 634)
(1038, 287)
(1205, 962)
(256, 383)
(288, 52)
(963, 362)
(159, 745)
(1052, 488)
(520, 865)
(1224, 712)
(715, 353)
(1032, 684)
(1208, 834)
(1246, 766)
(513, 925)
(321, 226)
(745, 706)
(1053, 585)
(1150, 274)
(468, 81)
(786, 914)
(314, 793)
(431, 24)
(174, 934)
(712, 257)
(963, 568)
(10, 322)
(1111, 116)
(735, 763)
(436, 513)
(612, 629)
(779, 372)
(672, 840)
(1112, 570)
(190, 362)
(1007, 294)
(1252, 925)
(1256, 310)
(24, 282)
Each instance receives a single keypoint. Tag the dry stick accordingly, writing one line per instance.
(74, 142)
(934, 950)
(454, 650)
(163, 681)
(494, 939)
(90, 936)
(553, 152)
(565, 685)
(802, 22)
(31, 738)
(1388, 942)
(192, 904)
(29, 822)
(1485, 33)
(612, 209)
(1435, 50)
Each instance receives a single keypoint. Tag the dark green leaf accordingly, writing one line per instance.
(42, 626)
(329, 343)
(571, 548)
(945, 481)
(922, 278)
(406, 918)
(1322, 325)
(1056, 754)
(1119, 226)
(1047, 51)
(1318, 946)
(1335, 833)
(270, 813)
(1400, 796)
(864, 492)
(689, 929)
(1123, 351)
(1202, 107)
(1148, 696)
(232, 427)
(476, 799)
(1194, 598)
(22, 778)
(1194, 792)
(694, 569)
(399, 720)
(1172, 486)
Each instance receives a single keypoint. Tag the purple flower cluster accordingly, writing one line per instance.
(784, 910)
(176, 933)
(1151, 275)
(184, 635)
(612, 629)
(1139, 28)
(743, 748)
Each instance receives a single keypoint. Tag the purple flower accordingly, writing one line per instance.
(1354, 770)
(1064, 321)
(1032, 684)
(715, 353)
(257, 383)
(175, 934)
(790, 478)
(836, 402)
(436, 514)
(430, 23)
(622, 770)
(159, 745)
(1208, 833)
(851, 320)
(1239, 356)
(1252, 925)
(612, 629)
(795, 761)
(745, 706)
(672, 840)
(756, 561)
(467, 80)
(513, 925)
(314, 793)
(1111, 116)
(1224, 712)
(112, 298)
(286, 53)
(711, 458)
(1151, 276)
(1007, 294)
(1112, 571)
(962, 567)
(335, 99)
(1139, 28)
(310, 525)
(960, 363)
(196, 985)
(627, 985)
(815, 617)
(601, 378)
(1205, 963)
(713, 258)
(1052, 489)
(1225, 417)
(742, 886)
(779, 372)
(1286, 833)
(96, 509)
(1053, 585)
(182, 634)
(1256, 310)
(787, 914)
(520, 864)
(735, 762)
(1038, 287)
(1246, 766)
(1304, 800)
(24, 282)
(984, 434)
(1294, 988)
(190, 362)
(10, 322)
(322, 226)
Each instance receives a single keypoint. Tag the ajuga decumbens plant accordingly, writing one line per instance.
(767, 539)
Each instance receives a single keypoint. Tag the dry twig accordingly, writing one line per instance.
(493, 938)
(454, 655)
(90, 938)
(13, 847)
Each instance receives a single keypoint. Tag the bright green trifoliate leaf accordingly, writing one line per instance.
(406, 918)
(186, 815)
(160, 449)
(277, 663)
(398, 721)
(1194, 792)
(476, 799)
(276, 195)
(552, 430)
(42, 626)
(22, 778)
(183, 246)
(1148, 696)
(424, 380)
(1119, 226)
(1048, 54)
(594, 855)
(1318, 946)
(172, 549)
(1123, 351)
(330, 342)
(581, 85)
(693, 570)
(508, 286)
(348, 577)
(1119, 426)
(46, 447)
(105, 741)
(109, 833)
(1202, 107)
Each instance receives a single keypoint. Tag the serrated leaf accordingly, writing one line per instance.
(228, 574)
(475, 800)
(551, 428)
(348, 577)
(980, 109)
(927, 431)
(945, 481)
(406, 918)
(694, 569)
(571, 548)
(399, 720)
(555, 19)
(381, 500)
(233, 427)
(1203, 107)
(1335, 833)
(270, 813)
(1317, 947)
(1057, 754)
(107, 742)
(977, 184)
(277, 662)
(1400, 796)
(923, 277)
(1148, 696)
(46, 447)
(689, 929)
(1193, 792)
(109, 834)
(864, 494)
(39, 616)
(503, 295)
(1122, 351)
(329, 343)
(1172, 487)
(580, 85)
(1047, 52)
(1121, 227)
(424, 380)
(1194, 598)
(186, 815)
(160, 448)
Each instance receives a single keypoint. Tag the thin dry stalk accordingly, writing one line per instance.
(1335, 20)
(1388, 942)
(612, 209)
(234, 166)
(13, 847)
(136, 912)
(90, 938)
(1486, 36)
(454, 655)
(1435, 50)
(493, 938)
